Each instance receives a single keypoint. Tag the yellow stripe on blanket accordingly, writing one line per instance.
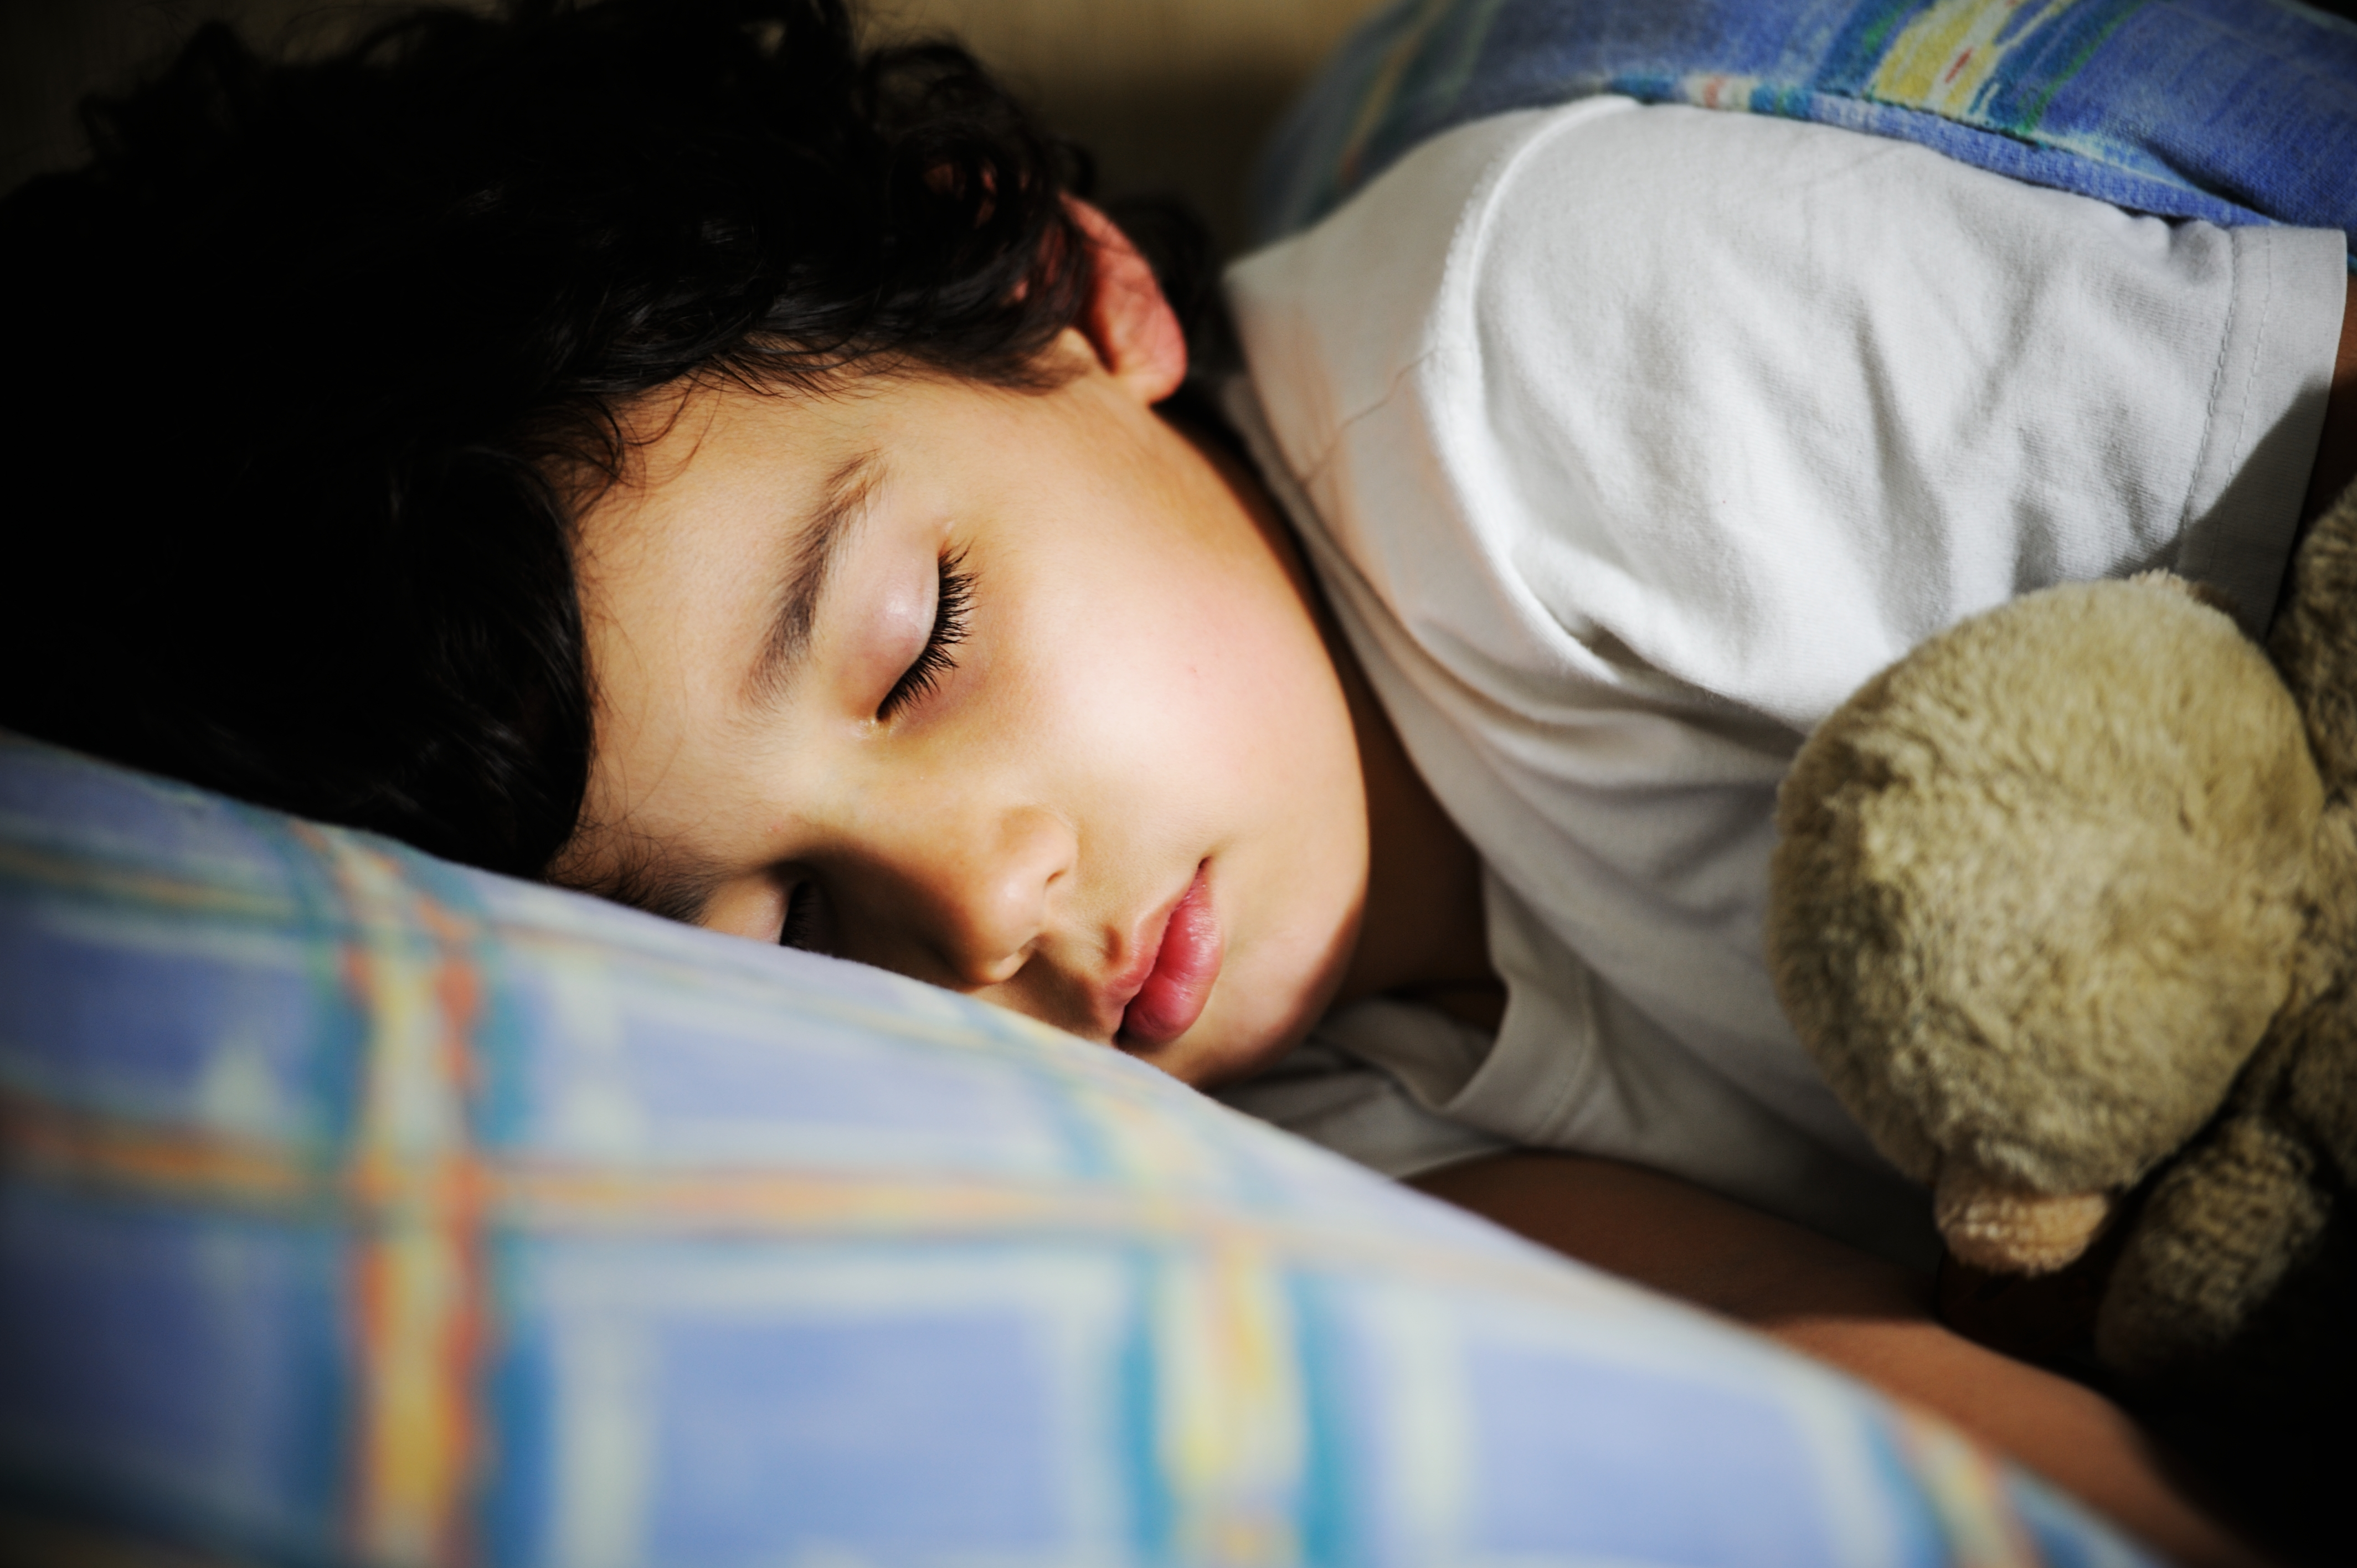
(1942, 60)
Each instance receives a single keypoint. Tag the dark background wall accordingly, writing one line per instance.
(1170, 94)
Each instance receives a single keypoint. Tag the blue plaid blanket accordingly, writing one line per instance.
(2233, 111)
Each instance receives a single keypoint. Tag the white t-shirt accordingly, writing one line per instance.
(1626, 442)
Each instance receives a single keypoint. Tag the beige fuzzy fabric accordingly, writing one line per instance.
(2068, 897)
(2040, 885)
(1993, 1225)
(2216, 1238)
(2239, 1224)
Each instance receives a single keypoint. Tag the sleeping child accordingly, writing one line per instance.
(670, 450)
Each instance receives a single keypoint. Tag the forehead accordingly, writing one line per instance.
(718, 490)
(699, 454)
(689, 447)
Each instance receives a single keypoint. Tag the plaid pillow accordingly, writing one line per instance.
(360, 1208)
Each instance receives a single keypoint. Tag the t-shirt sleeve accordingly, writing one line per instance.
(1755, 405)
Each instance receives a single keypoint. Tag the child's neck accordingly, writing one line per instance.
(1425, 935)
(1422, 934)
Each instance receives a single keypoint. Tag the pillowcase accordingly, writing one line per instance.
(361, 1207)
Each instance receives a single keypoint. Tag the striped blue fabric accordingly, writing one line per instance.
(358, 1208)
(2234, 111)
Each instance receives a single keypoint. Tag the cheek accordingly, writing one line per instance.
(1208, 693)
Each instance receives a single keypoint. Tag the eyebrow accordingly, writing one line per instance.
(821, 539)
(675, 893)
(679, 887)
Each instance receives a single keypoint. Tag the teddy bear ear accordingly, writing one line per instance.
(2003, 1228)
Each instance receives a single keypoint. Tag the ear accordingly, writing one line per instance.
(1127, 319)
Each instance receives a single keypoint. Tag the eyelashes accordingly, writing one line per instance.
(953, 609)
(805, 919)
(807, 925)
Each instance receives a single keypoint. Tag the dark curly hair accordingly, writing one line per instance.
(311, 360)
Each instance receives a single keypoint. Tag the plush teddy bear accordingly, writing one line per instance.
(2065, 907)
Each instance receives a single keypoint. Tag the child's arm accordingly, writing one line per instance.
(2336, 450)
(1871, 1318)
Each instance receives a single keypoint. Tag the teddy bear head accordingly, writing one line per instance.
(2039, 893)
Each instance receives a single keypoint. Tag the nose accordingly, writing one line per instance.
(981, 891)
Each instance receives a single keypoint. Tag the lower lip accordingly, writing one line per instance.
(1172, 998)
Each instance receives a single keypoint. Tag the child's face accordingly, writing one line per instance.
(1128, 800)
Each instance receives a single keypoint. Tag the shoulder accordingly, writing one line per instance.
(1330, 317)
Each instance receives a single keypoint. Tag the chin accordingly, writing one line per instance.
(1220, 1051)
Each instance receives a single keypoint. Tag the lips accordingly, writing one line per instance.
(1185, 964)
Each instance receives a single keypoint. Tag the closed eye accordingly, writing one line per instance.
(806, 923)
(952, 609)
